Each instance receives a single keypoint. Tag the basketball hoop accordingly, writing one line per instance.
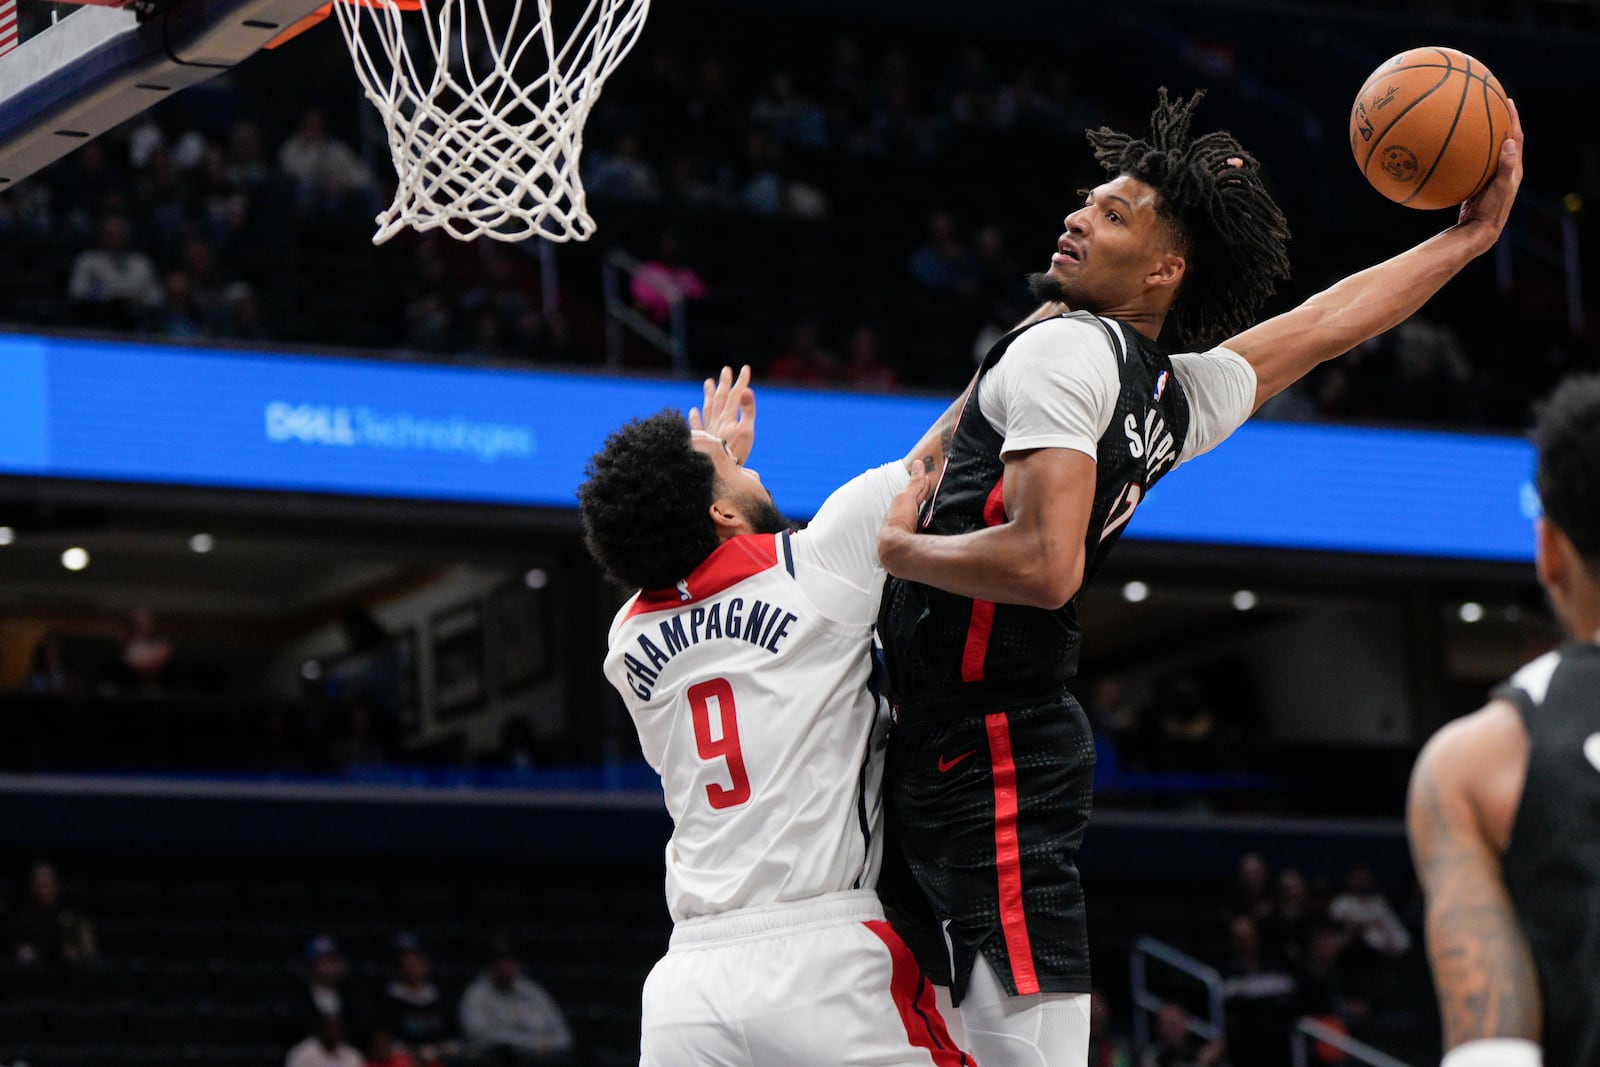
(484, 103)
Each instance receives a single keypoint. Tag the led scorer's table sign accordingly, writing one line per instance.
(181, 416)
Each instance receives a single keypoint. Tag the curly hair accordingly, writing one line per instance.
(1568, 436)
(645, 504)
(1233, 235)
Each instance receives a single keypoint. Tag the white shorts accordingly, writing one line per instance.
(820, 982)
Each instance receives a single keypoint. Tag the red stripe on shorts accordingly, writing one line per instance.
(913, 996)
(1008, 855)
(982, 621)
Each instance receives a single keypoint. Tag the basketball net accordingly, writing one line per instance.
(484, 104)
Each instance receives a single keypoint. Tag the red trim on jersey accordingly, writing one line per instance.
(981, 623)
(733, 561)
(913, 996)
(1008, 854)
(977, 646)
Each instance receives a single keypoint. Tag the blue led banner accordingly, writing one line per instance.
(181, 416)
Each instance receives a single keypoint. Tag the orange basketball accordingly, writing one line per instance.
(1427, 126)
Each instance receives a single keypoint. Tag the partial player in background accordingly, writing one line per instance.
(1071, 422)
(1504, 811)
(745, 661)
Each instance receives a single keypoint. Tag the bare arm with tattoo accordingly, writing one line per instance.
(1463, 800)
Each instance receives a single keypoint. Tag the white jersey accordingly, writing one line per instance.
(749, 686)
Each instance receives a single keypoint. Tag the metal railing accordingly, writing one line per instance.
(620, 314)
(1146, 1003)
(1308, 1029)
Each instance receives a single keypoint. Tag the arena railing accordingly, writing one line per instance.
(1308, 1029)
(1146, 1003)
(620, 314)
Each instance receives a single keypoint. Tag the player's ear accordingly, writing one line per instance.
(1550, 552)
(1167, 272)
(728, 518)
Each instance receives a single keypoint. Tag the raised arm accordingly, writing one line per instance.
(1463, 797)
(1286, 348)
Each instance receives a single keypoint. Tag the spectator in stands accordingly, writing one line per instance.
(1176, 1046)
(1328, 990)
(1293, 916)
(413, 1010)
(1106, 1047)
(324, 992)
(52, 670)
(1367, 914)
(47, 932)
(1252, 889)
(325, 1047)
(509, 1019)
(1259, 998)
(806, 361)
(146, 654)
(864, 365)
(655, 282)
(116, 282)
(329, 177)
(622, 174)
(384, 1051)
(942, 263)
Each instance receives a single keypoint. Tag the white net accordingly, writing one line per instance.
(484, 103)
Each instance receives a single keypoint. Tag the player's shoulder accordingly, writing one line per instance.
(1077, 328)
(1469, 749)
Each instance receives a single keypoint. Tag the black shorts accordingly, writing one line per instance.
(987, 808)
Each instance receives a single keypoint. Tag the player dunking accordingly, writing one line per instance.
(1071, 422)
(744, 662)
(1504, 811)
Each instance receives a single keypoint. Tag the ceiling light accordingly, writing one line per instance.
(1244, 600)
(1471, 611)
(536, 578)
(1134, 592)
(7, 535)
(202, 543)
(75, 559)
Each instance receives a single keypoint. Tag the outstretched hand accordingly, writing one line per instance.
(729, 411)
(1489, 209)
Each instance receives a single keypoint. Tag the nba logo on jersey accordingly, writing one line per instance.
(1161, 386)
(683, 590)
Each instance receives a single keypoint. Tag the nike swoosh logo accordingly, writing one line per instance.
(1591, 749)
(946, 766)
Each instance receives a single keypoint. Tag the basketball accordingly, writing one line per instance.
(1427, 126)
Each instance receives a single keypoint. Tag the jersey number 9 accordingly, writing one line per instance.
(724, 747)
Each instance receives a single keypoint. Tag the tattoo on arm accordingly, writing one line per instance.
(1482, 967)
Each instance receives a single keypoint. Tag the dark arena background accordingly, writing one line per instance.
(300, 646)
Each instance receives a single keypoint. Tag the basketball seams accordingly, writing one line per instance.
(1494, 143)
(1378, 135)
(1444, 144)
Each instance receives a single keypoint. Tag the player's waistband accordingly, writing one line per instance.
(977, 698)
(771, 920)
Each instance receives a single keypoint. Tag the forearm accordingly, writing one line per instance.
(1004, 564)
(1286, 348)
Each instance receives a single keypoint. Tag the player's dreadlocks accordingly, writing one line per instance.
(646, 503)
(1234, 236)
(1568, 436)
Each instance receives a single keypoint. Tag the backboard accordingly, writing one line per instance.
(79, 71)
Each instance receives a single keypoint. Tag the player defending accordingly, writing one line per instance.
(745, 662)
(1504, 812)
(1071, 422)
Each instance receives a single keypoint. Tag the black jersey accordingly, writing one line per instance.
(1552, 866)
(938, 643)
